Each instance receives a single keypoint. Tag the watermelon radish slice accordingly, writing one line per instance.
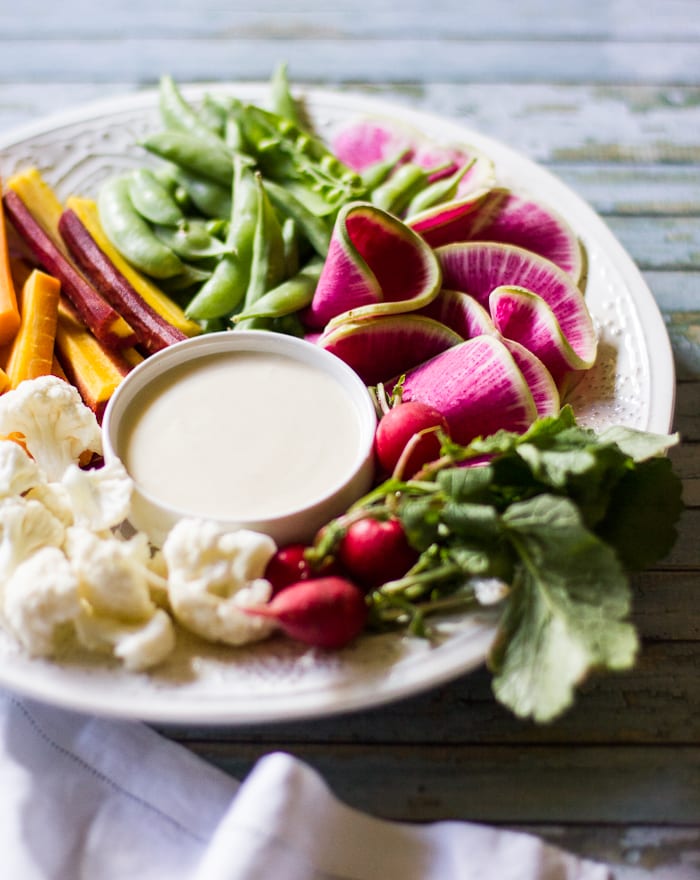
(380, 349)
(456, 220)
(461, 313)
(366, 142)
(530, 225)
(539, 380)
(478, 268)
(477, 386)
(504, 217)
(375, 266)
(562, 346)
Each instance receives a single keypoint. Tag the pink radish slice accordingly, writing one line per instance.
(379, 349)
(375, 265)
(461, 313)
(364, 142)
(525, 317)
(539, 380)
(454, 221)
(477, 386)
(536, 228)
(478, 268)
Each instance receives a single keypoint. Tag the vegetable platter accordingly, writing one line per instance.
(631, 383)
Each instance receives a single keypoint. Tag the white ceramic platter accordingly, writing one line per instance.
(632, 383)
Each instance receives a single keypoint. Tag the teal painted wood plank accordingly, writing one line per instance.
(144, 58)
(671, 243)
(633, 189)
(500, 783)
(526, 20)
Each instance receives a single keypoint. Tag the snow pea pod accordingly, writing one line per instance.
(178, 114)
(267, 265)
(290, 296)
(396, 193)
(439, 191)
(291, 246)
(211, 199)
(376, 173)
(315, 228)
(191, 240)
(226, 288)
(281, 99)
(131, 234)
(212, 161)
(152, 199)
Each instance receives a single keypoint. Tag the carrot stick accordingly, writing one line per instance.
(94, 370)
(104, 321)
(31, 354)
(9, 313)
(86, 210)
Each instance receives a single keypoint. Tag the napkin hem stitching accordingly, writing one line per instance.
(98, 774)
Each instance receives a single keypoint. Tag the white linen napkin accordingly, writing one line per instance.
(84, 797)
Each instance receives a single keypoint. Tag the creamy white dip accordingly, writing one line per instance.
(240, 435)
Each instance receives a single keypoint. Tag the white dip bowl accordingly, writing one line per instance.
(251, 429)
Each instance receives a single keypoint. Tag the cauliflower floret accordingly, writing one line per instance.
(25, 527)
(18, 471)
(138, 645)
(118, 615)
(101, 498)
(114, 574)
(40, 597)
(55, 498)
(53, 421)
(213, 574)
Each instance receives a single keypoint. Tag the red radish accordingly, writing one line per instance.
(289, 565)
(326, 612)
(376, 551)
(397, 428)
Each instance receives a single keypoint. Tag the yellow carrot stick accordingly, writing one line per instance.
(9, 312)
(31, 354)
(87, 212)
(86, 363)
(41, 200)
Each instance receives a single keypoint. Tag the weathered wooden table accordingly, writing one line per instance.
(606, 93)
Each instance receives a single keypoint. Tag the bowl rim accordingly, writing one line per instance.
(224, 342)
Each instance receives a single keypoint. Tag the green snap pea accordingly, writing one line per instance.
(191, 240)
(281, 98)
(314, 228)
(212, 115)
(179, 115)
(291, 246)
(190, 276)
(439, 191)
(222, 292)
(267, 264)
(152, 199)
(211, 161)
(210, 199)
(396, 193)
(376, 173)
(290, 296)
(131, 234)
(226, 288)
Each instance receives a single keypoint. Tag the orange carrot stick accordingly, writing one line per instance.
(31, 354)
(9, 312)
